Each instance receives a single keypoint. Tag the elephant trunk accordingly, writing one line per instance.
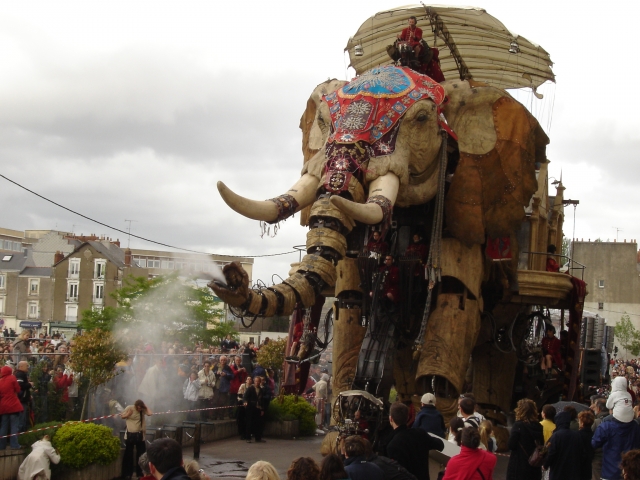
(297, 197)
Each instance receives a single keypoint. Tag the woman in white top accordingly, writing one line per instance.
(134, 437)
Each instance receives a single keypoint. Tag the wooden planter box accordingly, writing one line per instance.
(10, 461)
(94, 472)
(282, 429)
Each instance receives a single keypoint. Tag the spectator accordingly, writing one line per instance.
(190, 391)
(467, 409)
(153, 384)
(143, 462)
(207, 384)
(429, 419)
(391, 469)
(37, 465)
(241, 414)
(250, 402)
(72, 404)
(630, 465)
(224, 375)
(165, 460)
(303, 468)
(410, 446)
(620, 400)
(10, 408)
(262, 470)
(239, 378)
(526, 434)
(22, 376)
(566, 454)
(601, 413)
(585, 420)
(615, 438)
(264, 399)
(21, 347)
(229, 344)
(472, 463)
(548, 421)
(487, 440)
(455, 430)
(321, 388)
(356, 464)
(195, 472)
(332, 468)
(574, 417)
(134, 437)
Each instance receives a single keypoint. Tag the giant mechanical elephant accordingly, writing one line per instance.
(381, 148)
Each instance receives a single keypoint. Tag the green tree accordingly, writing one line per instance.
(627, 335)
(271, 355)
(94, 356)
(169, 306)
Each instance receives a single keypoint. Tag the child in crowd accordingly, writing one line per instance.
(620, 400)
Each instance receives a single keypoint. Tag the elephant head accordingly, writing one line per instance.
(382, 136)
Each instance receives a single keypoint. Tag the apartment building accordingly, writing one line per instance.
(613, 278)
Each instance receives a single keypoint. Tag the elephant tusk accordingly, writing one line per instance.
(371, 213)
(304, 192)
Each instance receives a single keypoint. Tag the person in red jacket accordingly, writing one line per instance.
(412, 35)
(551, 350)
(63, 382)
(10, 408)
(471, 463)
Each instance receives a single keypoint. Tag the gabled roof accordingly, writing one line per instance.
(109, 251)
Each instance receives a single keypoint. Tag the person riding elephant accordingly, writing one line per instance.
(387, 137)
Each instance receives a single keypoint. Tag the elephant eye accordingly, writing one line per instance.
(422, 116)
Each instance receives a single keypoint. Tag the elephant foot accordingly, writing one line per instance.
(236, 291)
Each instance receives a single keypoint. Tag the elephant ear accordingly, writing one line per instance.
(315, 128)
(490, 191)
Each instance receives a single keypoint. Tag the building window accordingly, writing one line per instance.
(74, 267)
(98, 292)
(34, 286)
(167, 265)
(32, 310)
(153, 263)
(17, 246)
(100, 268)
(3, 282)
(142, 262)
(600, 305)
(600, 283)
(1, 306)
(72, 292)
(72, 313)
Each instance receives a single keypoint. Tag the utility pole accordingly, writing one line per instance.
(129, 231)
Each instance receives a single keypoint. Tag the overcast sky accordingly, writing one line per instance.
(134, 110)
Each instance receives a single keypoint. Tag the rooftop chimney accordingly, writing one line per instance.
(58, 257)
(127, 257)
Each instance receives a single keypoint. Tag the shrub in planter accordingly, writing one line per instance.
(31, 436)
(81, 444)
(293, 406)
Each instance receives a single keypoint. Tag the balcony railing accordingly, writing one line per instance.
(72, 299)
(98, 301)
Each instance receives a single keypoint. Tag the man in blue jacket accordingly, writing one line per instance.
(224, 375)
(429, 419)
(615, 438)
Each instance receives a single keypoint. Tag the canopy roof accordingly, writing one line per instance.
(472, 43)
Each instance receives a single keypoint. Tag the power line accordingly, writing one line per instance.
(137, 236)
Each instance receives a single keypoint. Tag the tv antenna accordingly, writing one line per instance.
(129, 231)
(617, 231)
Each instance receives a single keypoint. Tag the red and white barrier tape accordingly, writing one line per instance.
(114, 415)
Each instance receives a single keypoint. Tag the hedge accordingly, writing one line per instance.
(294, 406)
(81, 444)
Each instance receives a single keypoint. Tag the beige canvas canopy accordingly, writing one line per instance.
(472, 43)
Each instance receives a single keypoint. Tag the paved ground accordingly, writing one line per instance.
(230, 459)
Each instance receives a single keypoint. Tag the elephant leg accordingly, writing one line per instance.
(348, 331)
(451, 335)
